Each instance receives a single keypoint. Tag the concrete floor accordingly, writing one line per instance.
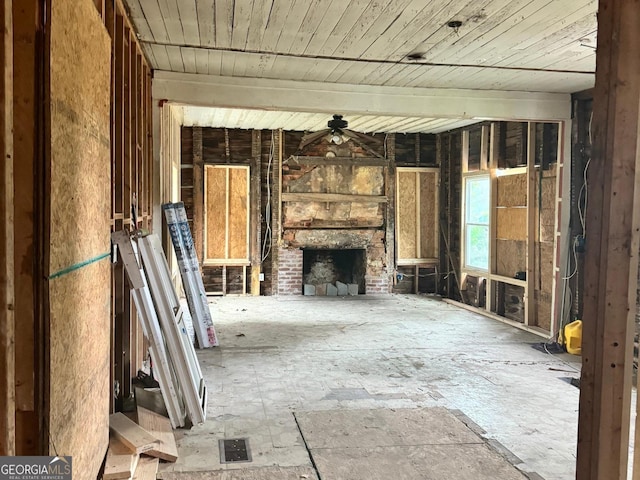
(338, 378)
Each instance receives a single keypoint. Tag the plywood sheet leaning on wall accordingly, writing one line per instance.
(79, 210)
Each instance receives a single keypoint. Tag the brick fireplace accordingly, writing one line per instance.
(371, 274)
(334, 215)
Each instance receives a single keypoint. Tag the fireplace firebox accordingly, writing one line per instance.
(324, 266)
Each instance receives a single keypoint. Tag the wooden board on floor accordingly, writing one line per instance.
(160, 427)
(136, 438)
(147, 468)
(121, 461)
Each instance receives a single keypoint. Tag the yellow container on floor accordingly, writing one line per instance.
(573, 337)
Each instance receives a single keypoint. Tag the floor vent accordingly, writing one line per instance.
(234, 450)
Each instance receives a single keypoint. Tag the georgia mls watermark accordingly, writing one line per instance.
(35, 468)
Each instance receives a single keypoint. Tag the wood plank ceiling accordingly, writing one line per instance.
(273, 120)
(517, 45)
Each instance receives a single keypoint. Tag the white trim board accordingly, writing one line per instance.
(163, 367)
(171, 318)
(297, 96)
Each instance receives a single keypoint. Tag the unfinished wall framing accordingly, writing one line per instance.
(228, 222)
(300, 197)
(131, 192)
(519, 281)
(417, 219)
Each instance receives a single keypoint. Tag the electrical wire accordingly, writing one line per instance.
(424, 275)
(560, 360)
(386, 136)
(575, 259)
(268, 234)
(582, 207)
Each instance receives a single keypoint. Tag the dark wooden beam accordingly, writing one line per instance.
(256, 209)
(357, 161)
(390, 211)
(332, 197)
(198, 193)
(612, 248)
(7, 319)
(26, 53)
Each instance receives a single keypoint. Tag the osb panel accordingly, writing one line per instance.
(406, 215)
(80, 84)
(238, 213)
(80, 206)
(512, 190)
(79, 368)
(215, 199)
(510, 257)
(511, 223)
(428, 215)
(546, 265)
(548, 193)
(543, 310)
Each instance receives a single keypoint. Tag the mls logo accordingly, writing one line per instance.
(36, 468)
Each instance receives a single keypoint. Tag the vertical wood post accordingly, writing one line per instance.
(7, 320)
(492, 165)
(390, 213)
(26, 23)
(611, 261)
(198, 194)
(256, 209)
(530, 298)
(276, 205)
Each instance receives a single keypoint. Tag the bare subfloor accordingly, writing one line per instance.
(381, 387)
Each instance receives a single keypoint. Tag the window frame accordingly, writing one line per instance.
(466, 267)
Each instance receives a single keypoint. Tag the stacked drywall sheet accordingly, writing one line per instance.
(175, 364)
(176, 218)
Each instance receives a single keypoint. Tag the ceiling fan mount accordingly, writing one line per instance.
(337, 123)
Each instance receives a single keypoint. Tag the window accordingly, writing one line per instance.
(476, 224)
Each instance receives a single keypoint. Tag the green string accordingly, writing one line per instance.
(77, 266)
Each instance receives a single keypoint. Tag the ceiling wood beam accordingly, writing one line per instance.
(295, 96)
